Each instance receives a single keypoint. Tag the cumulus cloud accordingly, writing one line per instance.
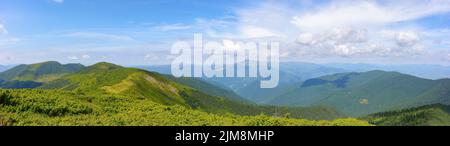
(369, 13)
(336, 35)
(307, 39)
(337, 28)
(407, 39)
(365, 28)
(340, 28)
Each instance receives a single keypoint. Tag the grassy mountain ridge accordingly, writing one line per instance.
(105, 78)
(32, 107)
(39, 72)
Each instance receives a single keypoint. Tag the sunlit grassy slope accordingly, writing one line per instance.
(109, 79)
(52, 107)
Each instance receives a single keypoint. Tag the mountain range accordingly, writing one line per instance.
(249, 88)
(353, 89)
(427, 71)
(106, 78)
(359, 94)
(294, 73)
(307, 91)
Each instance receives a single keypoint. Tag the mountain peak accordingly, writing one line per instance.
(40, 72)
(49, 62)
(105, 66)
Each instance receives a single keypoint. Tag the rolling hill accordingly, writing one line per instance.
(429, 115)
(359, 94)
(105, 78)
(39, 72)
(34, 107)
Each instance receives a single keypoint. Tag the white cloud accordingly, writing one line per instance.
(307, 39)
(405, 39)
(336, 35)
(345, 29)
(269, 19)
(369, 13)
(151, 57)
(103, 36)
(73, 58)
(340, 28)
(257, 32)
(3, 30)
(58, 1)
(172, 27)
(85, 56)
(217, 28)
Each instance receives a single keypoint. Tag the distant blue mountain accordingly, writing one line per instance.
(4, 68)
(419, 70)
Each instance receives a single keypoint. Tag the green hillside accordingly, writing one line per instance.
(358, 94)
(430, 115)
(53, 107)
(110, 79)
(39, 72)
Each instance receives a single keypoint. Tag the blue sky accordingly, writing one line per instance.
(140, 32)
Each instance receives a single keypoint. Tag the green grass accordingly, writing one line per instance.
(107, 94)
(430, 115)
(105, 78)
(39, 72)
(26, 107)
